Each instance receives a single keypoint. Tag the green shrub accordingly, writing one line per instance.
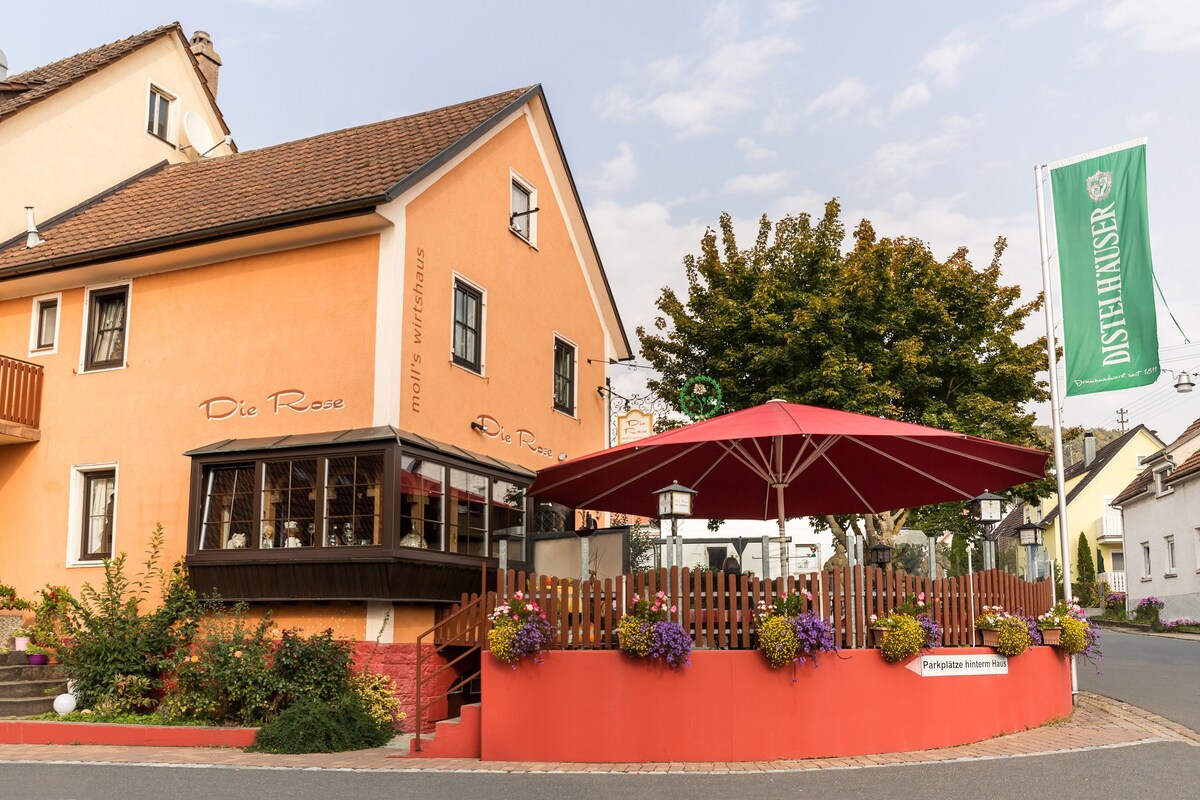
(318, 726)
(9, 601)
(377, 695)
(127, 694)
(227, 676)
(109, 632)
(317, 666)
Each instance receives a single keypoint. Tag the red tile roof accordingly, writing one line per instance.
(334, 173)
(1146, 477)
(47, 80)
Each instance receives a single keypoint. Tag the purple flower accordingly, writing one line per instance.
(933, 631)
(670, 642)
(813, 635)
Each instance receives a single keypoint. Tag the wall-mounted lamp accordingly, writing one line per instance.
(476, 425)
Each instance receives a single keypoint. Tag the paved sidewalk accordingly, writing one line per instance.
(1097, 722)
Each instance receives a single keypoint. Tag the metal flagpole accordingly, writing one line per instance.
(1055, 423)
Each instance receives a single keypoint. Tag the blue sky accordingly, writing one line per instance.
(924, 117)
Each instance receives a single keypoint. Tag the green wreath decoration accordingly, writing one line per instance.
(700, 397)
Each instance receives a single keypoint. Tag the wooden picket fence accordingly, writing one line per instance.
(718, 610)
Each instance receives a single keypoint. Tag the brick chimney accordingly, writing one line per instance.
(207, 58)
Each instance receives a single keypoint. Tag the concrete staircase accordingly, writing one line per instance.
(28, 690)
(460, 737)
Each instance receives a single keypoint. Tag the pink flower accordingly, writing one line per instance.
(921, 596)
(673, 609)
(518, 596)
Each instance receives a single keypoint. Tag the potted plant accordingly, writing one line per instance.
(1066, 626)
(787, 634)
(1007, 633)
(913, 610)
(11, 608)
(645, 631)
(519, 629)
(21, 637)
(38, 656)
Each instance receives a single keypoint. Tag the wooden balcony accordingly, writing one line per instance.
(20, 401)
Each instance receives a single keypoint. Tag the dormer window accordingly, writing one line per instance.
(1160, 477)
(158, 121)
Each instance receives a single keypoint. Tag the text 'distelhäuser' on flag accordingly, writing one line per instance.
(1110, 334)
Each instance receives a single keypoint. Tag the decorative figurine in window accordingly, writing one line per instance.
(347, 533)
(291, 530)
(268, 535)
(237, 541)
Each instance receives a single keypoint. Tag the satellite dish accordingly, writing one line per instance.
(199, 135)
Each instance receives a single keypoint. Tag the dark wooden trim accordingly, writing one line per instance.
(94, 297)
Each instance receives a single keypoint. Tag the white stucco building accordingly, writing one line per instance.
(1161, 511)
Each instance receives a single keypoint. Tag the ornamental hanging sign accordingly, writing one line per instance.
(700, 397)
(633, 426)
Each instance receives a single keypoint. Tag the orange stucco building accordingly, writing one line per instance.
(328, 368)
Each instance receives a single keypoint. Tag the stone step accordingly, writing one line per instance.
(32, 688)
(31, 673)
(25, 706)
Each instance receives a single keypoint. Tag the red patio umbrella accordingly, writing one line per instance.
(781, 457)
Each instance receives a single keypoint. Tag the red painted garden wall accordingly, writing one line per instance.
(602, 706)
(398, 661)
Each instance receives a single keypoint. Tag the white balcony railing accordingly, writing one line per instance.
(1109, 530)
(1115, 580)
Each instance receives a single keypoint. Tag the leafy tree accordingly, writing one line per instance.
(958, 556)
(884, 329)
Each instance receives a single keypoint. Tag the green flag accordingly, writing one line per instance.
(1110, 334)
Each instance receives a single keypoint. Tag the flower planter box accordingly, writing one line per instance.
(1052, 636)
(879, 635)
(991, 637)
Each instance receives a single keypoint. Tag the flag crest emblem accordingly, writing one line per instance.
(1099, 186)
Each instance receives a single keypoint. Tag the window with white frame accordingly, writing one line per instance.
(1170, 542)
(1196, 547)
(105, 328)
(43, 333)
(564, 376)
(92, 513)
(1146, 573)
(522, 219)
(158, 118)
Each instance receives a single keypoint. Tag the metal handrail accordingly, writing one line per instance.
(480, 602)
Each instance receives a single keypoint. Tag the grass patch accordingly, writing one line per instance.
(117, 719)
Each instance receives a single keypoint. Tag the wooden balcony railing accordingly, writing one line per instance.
(20, 392)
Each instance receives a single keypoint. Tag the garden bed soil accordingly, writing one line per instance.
(49, 732)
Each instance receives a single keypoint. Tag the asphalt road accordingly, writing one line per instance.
(1148, 772)
(1156, 673)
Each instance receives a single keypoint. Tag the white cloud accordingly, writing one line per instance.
(1039, 11)
(840, 99)
(946, 61)
(906, 159)
(755, 151)
(643, 248)
(618, 172)
(916, 94)
(693, 95)
(758, 184)
(788, 10)
(1157, 25)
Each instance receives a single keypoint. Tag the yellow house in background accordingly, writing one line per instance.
(75, 128)
(1091, 483)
